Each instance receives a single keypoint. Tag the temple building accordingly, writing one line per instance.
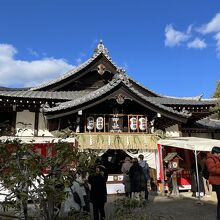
(102, 107)
(98, 97)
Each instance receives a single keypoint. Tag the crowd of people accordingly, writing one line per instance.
(91, 188)
(136, 175)
(86, 188)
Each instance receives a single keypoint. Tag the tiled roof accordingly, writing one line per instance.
(142, 86)
(183, 101)
(99, 50)
(103, 90)
(57, 95)
(208, 123)
(158, 104)
(83, 99)
(13, 89)
(74, 98)
(170, 156)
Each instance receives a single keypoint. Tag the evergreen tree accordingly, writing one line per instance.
(28, 175)
(216, 94)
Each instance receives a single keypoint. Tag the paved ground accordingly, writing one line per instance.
(183, 207)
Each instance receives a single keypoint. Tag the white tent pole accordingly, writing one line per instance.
(197, 173)
(162, 170)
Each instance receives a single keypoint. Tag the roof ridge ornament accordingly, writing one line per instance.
(121, 74)
(101, 48)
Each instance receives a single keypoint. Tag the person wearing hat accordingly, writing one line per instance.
(213, 166)
(126, 180)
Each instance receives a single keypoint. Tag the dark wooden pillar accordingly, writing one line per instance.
(36, 122)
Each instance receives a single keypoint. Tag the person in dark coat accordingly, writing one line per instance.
(138, 180)
(146, 171)
(194, 185)
(98, 193)
(213, 165)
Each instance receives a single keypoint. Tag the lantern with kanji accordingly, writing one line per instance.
(142, 123)
(99, 123)
(133, 123)
(90, 123)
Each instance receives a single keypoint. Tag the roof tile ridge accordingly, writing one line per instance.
(95, 94)
(210, 99)
(141, 85)
(209, 119)
(197, 97)
(149, 99)
(193, 98)
(101, 50)
(68, 73)
(214, 120)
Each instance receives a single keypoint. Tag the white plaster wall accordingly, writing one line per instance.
(42, 127)
(25, 123)
(173, 131)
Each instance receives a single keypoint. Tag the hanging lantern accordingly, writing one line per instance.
(90, 123)
(142, 124)
(99, 123)
(133, 123)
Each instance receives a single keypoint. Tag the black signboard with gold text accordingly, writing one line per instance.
(116, 124)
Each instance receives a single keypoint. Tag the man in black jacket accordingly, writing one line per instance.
(98, 193)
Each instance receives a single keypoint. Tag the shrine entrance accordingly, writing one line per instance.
(113, 160)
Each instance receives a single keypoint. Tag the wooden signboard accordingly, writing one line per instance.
(116, 124)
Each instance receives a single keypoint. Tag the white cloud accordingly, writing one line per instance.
(15, 72)
(7, 51)
(33, 52)
(217, 38)
(212, 26)
(174, 37)
(197, 44)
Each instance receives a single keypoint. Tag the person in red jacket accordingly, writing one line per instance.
(213, 165)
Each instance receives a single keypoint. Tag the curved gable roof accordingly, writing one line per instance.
(101, 49)
(97, 52)
(73, 104)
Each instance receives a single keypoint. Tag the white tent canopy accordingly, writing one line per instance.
(191, 143)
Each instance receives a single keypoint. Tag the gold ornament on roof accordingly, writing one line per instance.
(120, 99)
(101, 69)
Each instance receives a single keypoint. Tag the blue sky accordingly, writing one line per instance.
(171, 47)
